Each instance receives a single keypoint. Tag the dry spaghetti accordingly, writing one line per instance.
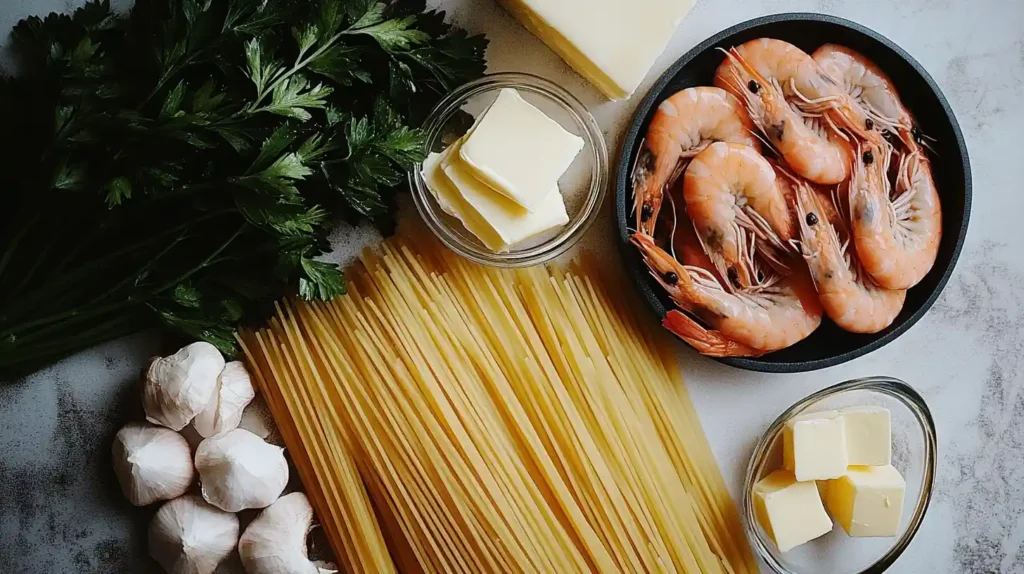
(446, 417)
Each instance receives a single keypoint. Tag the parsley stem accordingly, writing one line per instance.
(184, 276)
(18, 358)
(299, 65)
(9, 253)
(77, 314)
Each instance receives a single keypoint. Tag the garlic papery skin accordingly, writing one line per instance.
(178, 387)
(238, 470)
(256, 418)
(224, 411)
(275, 543)
(189, 536)
(151, 463)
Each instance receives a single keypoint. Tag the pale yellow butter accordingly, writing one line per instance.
(498, 222)
(452, 203)
(814, 446)
(611, 43)
(868, 435)
(791, 512)
(519, 151)
(868, 500)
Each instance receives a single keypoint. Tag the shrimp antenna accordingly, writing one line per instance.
(636, 160)
(672, 234)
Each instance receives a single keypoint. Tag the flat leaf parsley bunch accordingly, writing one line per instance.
(177, 166)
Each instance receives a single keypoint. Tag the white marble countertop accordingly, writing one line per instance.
(61, 512)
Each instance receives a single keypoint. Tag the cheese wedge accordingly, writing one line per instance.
(519, 151)
(611, 43)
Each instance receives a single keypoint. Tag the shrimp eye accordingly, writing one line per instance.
(753, 86)
(915, 132)
(734, 276)
(869, 124)
(671, 278)
(646, 212)
(869, 158)
(812, 219)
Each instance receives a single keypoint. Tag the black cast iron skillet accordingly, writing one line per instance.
(829, 345)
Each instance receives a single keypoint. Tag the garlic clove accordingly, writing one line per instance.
(224, 411)
(238, 470)
(151, 463)
(177, 387)
(256, 418)
(275, 542)
(189, 536)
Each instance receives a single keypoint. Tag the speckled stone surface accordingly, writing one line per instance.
(61, 511)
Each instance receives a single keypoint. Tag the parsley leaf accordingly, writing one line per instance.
(188, 157)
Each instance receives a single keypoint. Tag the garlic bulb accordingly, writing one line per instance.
(238, 470)
(151, 463)
(178, 387)
(275, 543)
(224, 411)
(189, 536)
(256, 418)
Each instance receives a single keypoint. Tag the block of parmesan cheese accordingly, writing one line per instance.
(611, 43)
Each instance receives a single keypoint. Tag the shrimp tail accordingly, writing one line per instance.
(706, 341)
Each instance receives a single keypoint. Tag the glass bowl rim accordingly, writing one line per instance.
(577, 226)
(890, 386)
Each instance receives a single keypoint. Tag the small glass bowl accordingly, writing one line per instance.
(583, 185)
(913, 454)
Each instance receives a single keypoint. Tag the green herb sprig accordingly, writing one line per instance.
(179, 166)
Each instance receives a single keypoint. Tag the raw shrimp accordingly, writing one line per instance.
(803, 81)
(687, 249)
(812, 151)
(849, 297)
(773, 316)
(871, 88)
(896, 240)
(731, 194)
(683, 125)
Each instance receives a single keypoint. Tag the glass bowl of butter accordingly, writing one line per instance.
(804, 514)
(517, 170)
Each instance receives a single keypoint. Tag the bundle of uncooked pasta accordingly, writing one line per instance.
(446, 417)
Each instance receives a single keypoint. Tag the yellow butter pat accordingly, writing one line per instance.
(868, 500)
(868, 435)
(791, 512)
(814, 446)
(519, 151)
(452, 203)
(611, 43)
(510, 221)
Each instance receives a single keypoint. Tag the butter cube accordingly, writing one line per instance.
(790, 512)
(814, 446)
(611, 43)
(453, 204)
(519, 151)
(868, 435)
(498, 222)
(868, 501)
